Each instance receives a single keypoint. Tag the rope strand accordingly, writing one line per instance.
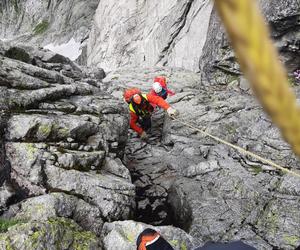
(259, 60)
(241, 150)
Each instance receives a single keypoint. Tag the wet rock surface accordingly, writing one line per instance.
(210, 190)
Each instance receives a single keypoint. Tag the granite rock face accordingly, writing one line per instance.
(148, 33)
(62, 134)
(210, 190)
(59, 233)
(69, 169)
(185, 34)
(61, 26)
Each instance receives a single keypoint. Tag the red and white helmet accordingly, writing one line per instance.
(157, 87)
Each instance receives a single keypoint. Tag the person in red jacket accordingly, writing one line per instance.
(159, 88)
(150, 239)
(141, 108)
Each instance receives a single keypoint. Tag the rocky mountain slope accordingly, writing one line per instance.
(66, 157)
(208, 189)
(148, 33)
(72, 176)
(63, 138)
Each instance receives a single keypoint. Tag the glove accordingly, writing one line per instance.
(172, 112)
(144, 136)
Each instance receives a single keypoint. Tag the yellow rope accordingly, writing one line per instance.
(260, 63)
(243, 151)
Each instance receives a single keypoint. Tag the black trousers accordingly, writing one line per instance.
(145, 123)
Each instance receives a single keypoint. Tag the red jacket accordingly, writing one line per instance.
(153, 100)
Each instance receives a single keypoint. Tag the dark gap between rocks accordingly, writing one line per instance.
(152, 207)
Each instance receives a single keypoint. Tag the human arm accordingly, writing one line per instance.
(158, 101)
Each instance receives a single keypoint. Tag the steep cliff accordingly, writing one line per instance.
(148, 33)
(185, 34)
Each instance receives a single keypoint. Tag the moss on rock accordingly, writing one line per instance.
(55, 233)
(7, 223)
(31, 150)
(291, 240)
(18, 54)
(41, 27)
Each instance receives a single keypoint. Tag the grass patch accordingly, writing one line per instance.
(257, 169)
(291, 240)
(41, 27)
(5, 224)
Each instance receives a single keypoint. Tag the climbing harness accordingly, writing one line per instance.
(144, 109)
(241, 150)
(250, 38)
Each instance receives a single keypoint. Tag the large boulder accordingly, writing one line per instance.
(54, 205)
(58, 233)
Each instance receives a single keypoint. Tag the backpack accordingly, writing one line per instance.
(161, 80)
(129, 93)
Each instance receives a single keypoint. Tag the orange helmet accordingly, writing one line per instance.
(129, 93)
(137, 99)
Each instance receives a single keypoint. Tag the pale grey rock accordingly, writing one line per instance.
(26, 166)
(116, 167)
(113, 196)
(81, 161)
(279, 223)
(290, 185)
(186, 34)
(57, 132)
(49, 206)
(217, 62)
(6, 193)
(149, 33)
(49, 128)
